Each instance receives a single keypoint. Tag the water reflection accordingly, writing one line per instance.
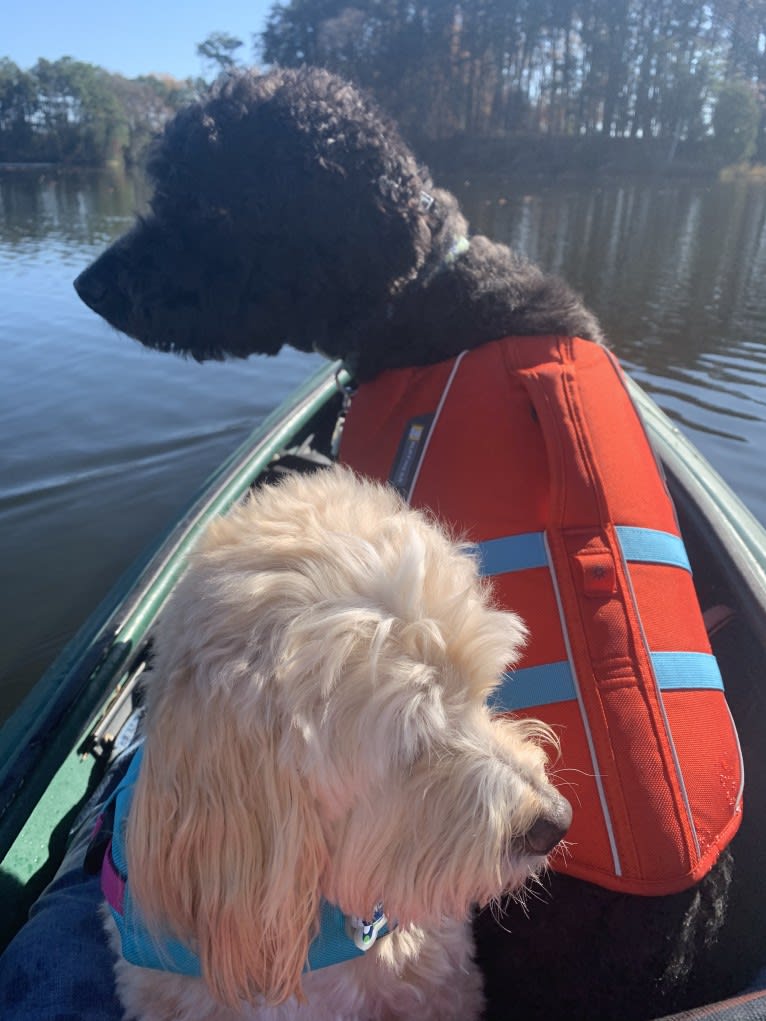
(41, 209)
(673, 270)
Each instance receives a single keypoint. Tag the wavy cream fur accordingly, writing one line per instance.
(317, 727)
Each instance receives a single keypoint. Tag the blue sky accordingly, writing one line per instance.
(132, 38)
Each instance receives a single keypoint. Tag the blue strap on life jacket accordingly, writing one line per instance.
(553, 682)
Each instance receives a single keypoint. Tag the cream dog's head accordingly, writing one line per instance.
(318, 728)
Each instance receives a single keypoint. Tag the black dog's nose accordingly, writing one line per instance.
(550, 827)
(90, 288)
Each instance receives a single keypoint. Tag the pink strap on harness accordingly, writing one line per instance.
(112, 883)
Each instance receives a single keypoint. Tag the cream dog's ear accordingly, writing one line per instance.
(224, 847)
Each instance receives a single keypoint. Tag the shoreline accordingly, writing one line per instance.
(572, 158)
(540, 158)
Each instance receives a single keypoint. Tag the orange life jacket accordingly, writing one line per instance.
(531, 448)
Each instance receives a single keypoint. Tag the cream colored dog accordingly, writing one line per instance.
(318, 735)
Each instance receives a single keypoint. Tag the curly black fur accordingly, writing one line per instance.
(288, 210)
(583, 953)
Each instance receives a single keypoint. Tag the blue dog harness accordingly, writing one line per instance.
(340, 938)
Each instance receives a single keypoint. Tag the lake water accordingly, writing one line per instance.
(103, 442)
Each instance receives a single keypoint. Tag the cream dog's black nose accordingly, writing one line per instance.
(550, 827)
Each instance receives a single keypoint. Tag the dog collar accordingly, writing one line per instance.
(340, 937)
(458, 247)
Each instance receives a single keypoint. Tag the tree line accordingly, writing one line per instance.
(67, 111)
(641, 69)
(660, 71)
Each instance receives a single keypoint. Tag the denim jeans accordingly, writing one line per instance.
(59, 966)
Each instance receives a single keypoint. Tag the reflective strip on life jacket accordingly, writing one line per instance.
(553, 682)
(531, 449)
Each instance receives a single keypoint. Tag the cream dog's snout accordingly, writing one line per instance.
(551, 825)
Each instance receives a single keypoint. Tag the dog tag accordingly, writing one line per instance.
(365, 933)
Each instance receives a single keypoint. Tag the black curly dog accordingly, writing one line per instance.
(288, 210)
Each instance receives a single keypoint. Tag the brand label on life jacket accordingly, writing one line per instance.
(410, 453)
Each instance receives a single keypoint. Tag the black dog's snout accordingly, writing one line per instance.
(550, 827)
(99, 287)
(91, 288)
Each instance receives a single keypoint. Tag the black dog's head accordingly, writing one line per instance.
(286, 209)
